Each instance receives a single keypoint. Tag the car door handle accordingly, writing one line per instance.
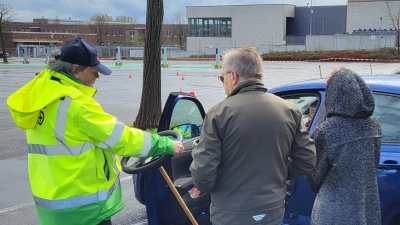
(390, 165)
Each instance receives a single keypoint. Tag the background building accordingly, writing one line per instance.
(236, 25)
(361, 24)
(41, 33)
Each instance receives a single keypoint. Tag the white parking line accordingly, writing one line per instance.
(16, 207)
(32, 203)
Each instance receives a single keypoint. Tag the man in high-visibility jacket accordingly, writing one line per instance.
(73, 145)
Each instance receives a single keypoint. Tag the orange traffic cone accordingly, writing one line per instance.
(180, 89)
(177, 72)
(183, 78)
(130, 75)
(16, 82)
(191, 93)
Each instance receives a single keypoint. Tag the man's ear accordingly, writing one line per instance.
(74, 66)
(235, 77)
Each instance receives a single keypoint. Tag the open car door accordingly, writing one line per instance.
(185, 114)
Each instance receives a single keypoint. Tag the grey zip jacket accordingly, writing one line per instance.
(348, 150)
(251, 143)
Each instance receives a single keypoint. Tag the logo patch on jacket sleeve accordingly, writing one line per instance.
(41, 117)
(259, 217)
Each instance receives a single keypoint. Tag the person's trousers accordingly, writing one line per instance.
(105, 222)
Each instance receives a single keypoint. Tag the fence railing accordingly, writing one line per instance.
(292, 43)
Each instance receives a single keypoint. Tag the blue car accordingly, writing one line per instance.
(184, 113)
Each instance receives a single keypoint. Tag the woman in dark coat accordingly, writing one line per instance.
(348, 150)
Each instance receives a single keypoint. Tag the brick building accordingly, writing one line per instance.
(41, 33)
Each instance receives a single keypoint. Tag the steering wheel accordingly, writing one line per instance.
(146, 164)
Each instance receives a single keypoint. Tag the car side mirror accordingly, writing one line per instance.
(187, 130)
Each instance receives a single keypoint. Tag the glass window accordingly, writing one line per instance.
(214, 27)
(186, 119)
(307, 105)
(131, 35)
(387, 112)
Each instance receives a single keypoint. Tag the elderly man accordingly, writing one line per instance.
(73, 143)
(251, 143)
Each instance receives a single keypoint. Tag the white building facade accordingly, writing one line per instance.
(374, 15)
(367, 25)
(232, 26)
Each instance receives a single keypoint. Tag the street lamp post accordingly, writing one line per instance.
(199, 42)
(380, 33)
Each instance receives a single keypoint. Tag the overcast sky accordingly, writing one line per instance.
(82, 9)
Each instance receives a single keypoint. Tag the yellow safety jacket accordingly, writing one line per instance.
(73, 172)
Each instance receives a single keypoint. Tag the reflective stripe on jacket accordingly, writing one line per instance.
(73, 171)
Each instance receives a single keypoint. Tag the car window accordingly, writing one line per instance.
(387, 112)
(186, 119)
(304, 102)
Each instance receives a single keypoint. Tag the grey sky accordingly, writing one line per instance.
(82, 9)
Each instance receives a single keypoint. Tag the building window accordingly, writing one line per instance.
(210, 27)
(114, 32)
(131, 35)
(168, 33)
(108, 33)
(120, 32)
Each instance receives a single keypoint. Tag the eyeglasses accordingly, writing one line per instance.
(221, 78)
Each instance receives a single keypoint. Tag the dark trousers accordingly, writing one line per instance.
(105, 222)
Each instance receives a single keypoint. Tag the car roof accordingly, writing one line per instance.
(386, 83)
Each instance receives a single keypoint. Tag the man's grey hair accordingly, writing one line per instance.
(247, 63)
(61, 66)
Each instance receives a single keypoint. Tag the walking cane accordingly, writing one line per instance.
(178, 197)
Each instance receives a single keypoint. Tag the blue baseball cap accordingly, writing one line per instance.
(81, 52)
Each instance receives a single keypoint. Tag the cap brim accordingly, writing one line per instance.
(102, 69)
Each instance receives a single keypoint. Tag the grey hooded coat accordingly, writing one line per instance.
(348, 150)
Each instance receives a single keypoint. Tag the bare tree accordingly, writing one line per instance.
(394, 15)
(180, 28)
(150, 106)
(99, 25)
(6, 16)
(139, 40)
(125, 19)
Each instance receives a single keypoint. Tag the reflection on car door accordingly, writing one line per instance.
(387, 112)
